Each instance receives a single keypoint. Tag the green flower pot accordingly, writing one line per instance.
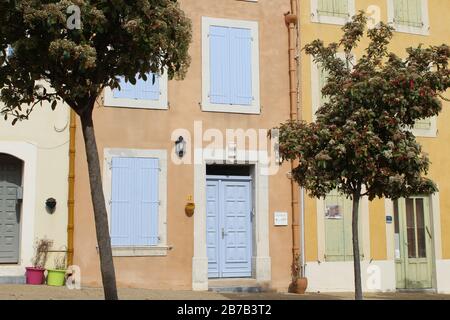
(56, 277)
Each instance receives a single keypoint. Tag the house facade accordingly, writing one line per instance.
(235, 89)
(404, 244)
(165, 145)
(33, 169)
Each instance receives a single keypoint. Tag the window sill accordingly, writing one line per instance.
(134, 104)
(424, 133)
(110, 101)
(137, 107)
(329, 20)
(156, 251)
(225, 108)
(424, 31)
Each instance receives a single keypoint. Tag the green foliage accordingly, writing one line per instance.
(361, 143)
(117, 38)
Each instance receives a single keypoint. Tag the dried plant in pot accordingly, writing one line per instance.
(57, 275)
(299, 282)
(35, 274)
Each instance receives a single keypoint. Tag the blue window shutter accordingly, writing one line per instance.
(122, 207)
(148, 180)
(230, 65)
(9, 51)
(219, 46)
(134, 201)
(241, 66)
(142, 90)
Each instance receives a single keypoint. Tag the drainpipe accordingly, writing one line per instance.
(291, 21)
(71, 191)
(300, 117)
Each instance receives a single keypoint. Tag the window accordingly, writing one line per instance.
(332, 11)
(9, 51)
(319, 78)
(135, 189)
(409, 16)
(230, 66)
(338, 228)
(149, 94)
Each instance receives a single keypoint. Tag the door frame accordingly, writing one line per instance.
(28, 154)
(251, 239)
(18, 163)
(261, 261)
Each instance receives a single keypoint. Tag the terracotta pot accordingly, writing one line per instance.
(189, 209)
(300, 285)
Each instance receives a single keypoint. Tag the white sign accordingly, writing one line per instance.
(281, 218)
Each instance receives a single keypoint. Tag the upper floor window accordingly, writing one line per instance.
(9, 51)
(230, 66)
(147, 94)
(319, 77)
(332, 11)
(410, 16)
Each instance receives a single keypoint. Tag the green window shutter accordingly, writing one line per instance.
(348, 230)
(415, 13)
(423, 124)
(338, 229)
(341, 7)
(408, 13)
(333, 8)
(323, 75)
(399, 12)
(334, 228)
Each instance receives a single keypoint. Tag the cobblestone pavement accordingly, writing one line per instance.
(27, 292)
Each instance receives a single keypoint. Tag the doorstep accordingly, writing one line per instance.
(12, 279)
(238, 285)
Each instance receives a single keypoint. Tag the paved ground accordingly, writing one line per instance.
(27, 292)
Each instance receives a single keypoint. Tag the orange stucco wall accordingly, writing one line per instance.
(151, 129)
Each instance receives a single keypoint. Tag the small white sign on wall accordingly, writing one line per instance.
(280, 218)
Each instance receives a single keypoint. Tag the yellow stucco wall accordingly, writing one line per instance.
(436, 147)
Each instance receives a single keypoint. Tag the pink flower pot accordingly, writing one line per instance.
(35, 275)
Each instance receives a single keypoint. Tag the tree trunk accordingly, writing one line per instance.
(100, 214)
(356, 256)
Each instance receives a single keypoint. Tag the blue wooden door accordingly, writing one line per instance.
(229, 227)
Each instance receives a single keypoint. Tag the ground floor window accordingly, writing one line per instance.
(136, 193)
(134, 201)
(338, 228)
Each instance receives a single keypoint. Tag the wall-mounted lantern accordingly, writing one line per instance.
(180, 147)
(50, 205)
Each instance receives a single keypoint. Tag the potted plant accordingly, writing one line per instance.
(35, 274)
(299, 282)
(57, 275)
